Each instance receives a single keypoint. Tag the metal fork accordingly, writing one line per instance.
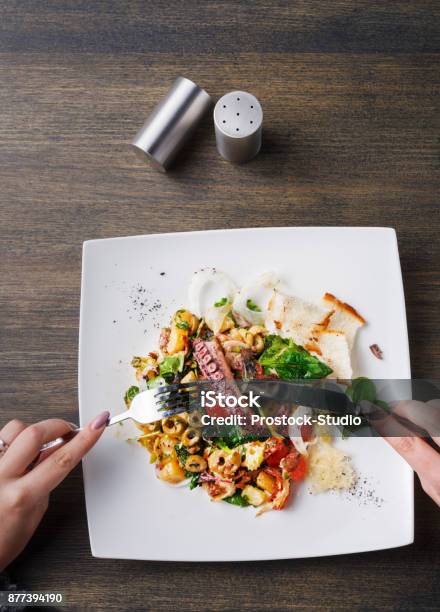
(150, 406)
(155, 404)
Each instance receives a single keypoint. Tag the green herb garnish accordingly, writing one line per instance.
(182, 325)
(221, 302)
(194, 479)
(182, 454)
(139, 362)
(252, 306)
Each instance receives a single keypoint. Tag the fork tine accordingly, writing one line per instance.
(178, 402)
(180, 386)
(182, 392)
(178, 409)
(166, 404)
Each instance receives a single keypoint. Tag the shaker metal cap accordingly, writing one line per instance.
(238, 119)
(171, 123)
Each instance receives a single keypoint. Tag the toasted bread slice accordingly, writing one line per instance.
(344, 318)
(293, 317)
(331, 347)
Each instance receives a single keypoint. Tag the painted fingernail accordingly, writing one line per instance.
(100, 420)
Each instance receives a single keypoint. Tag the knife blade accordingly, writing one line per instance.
(321, 395)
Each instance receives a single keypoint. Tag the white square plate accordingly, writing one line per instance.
(131, 286)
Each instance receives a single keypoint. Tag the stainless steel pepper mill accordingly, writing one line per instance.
(238, 119)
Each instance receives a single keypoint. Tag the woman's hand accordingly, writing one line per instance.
(424, 459)
(24, 492)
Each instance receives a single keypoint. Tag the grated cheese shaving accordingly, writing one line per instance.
(329, 469)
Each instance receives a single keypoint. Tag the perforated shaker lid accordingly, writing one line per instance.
(238, 120)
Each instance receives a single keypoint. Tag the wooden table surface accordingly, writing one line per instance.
(350, 92)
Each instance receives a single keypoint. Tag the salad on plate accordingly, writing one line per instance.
(255, 332)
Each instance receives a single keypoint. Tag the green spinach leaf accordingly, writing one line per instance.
(361, 389)
(130, 394)
(290, 361)
(233, 436)
(171, 365)
(158, 381)
(237, 500)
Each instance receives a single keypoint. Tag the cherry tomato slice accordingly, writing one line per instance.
(295, 465)
(276, 450)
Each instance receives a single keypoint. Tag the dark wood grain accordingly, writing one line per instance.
(350, 92)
